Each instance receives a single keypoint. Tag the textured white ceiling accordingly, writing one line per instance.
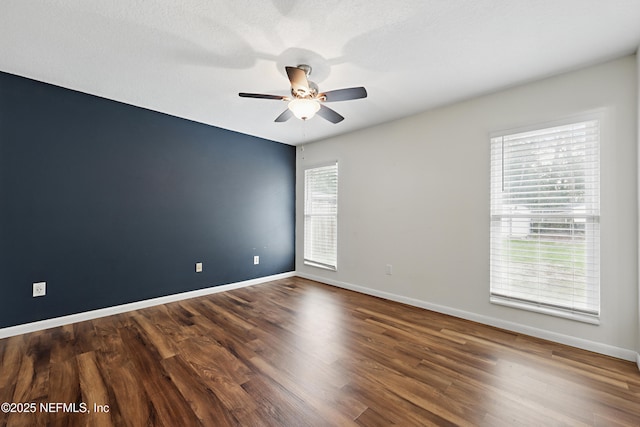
(190, 58)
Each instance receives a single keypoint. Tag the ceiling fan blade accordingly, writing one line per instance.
(298, 79)
(329, 114)
(286, 115)
(263, 96)
(344, 94)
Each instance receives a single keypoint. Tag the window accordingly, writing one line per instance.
(545, 220)
(321, 216)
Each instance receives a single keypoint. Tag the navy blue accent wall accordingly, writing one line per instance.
(110, 203)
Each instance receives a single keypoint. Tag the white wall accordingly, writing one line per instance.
(414, 193)
(638, 147)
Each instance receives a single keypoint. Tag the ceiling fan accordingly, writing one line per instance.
(305, 100)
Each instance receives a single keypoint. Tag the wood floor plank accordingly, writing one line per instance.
(208, 407)
(317, 403)
(371, 418)
(158, 339)
(169, 406)
(299, 353)
(93, 389)
(222, 374)
(396, 409)
(129, 402)
(277, 407)
(32, 379)
(64, 374)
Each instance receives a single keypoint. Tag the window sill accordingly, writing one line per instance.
(579, 317)
(322, 266)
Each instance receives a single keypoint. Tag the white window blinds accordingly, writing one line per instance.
(545, 219)
(321, 216)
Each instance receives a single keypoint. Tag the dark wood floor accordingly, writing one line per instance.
(298, 353)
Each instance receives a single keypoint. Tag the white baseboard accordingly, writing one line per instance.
(94, 314)
(601, 348)
(620, 353)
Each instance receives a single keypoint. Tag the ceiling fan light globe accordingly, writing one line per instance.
(304, 109)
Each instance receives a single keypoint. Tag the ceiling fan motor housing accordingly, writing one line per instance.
(311, 91)
(300, 92)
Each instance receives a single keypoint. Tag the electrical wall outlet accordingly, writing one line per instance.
(389, 270)
(198, 267)
(256, 260)
(39, 289)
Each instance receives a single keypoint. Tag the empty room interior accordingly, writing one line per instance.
(296, 213)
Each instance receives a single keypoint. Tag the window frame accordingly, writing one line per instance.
(307, 258)
(537, 306)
